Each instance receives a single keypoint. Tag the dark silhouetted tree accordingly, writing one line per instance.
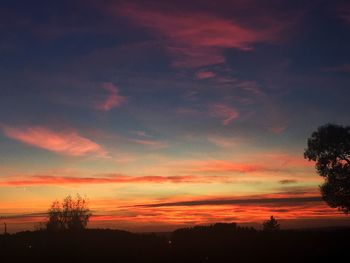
(71, 214)
(271, 224)
(329, 147)
(55, 217)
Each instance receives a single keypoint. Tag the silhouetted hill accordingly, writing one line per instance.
(215, 243)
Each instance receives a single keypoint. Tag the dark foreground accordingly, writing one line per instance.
(217, 243)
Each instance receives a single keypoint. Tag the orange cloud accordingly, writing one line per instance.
(224, 112)
(111, 100)
(265, 164)
(111, 179)
(225, 166)
(65, 142)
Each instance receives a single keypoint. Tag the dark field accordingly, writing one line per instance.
(217, 243)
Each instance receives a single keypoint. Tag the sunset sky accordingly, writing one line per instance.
(169, 113)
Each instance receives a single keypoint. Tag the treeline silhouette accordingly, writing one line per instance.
(215, 243)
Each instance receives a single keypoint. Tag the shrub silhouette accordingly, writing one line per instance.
(271, 224)
(71, 214)
(329, 147)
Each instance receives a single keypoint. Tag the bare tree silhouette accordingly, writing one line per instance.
(71, 214)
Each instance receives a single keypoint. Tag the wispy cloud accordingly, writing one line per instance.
(343, 68)
(250, 86)
(277, 129)
(112, 99)
(149, 142)
(198, 39)
(264, 165)
(223, 142)
(224, 112)
(188, 111)
(222, 166)
(344, 12)
(99, 96)
(205, 74)
(65, 142)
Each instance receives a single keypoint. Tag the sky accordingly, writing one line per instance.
(165, 114)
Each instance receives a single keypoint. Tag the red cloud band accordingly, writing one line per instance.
(113, 179)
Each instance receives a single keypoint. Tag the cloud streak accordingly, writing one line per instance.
(262, 164)
(248, 201)
(110, 100)
(65, 142)
(288, 181)
(344, 12)
(198, 39)
(343, 68)
(225, 113)
(148, 142)
(225, 166)
(111, 179)
(205, 74)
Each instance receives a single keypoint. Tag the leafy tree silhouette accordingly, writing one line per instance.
(71, 214)
(271, 224)
(329, 147)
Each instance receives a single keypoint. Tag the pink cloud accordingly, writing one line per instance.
(193, 57)
(141, 133)
(205, 74)
(277, 129)
(111, 100)
(225, 113)
(250, 86)
(66, 142)
(342, 68)
(344, 12)
(198, 39)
